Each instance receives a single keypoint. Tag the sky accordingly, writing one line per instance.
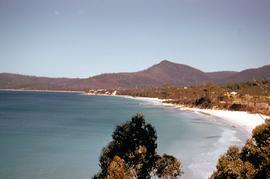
(82, 38)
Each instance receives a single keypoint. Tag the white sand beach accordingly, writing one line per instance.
(244, 120)
(202, 165)
(155, 101)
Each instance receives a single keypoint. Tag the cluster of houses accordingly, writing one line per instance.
(101, 92)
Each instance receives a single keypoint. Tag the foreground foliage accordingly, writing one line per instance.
(132, 153)
(253, 161)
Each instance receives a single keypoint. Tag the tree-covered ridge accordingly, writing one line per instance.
(253, 96)
(253, 161)
(132, 153)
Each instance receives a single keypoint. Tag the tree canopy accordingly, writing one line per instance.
(132, 153)
(253, 161)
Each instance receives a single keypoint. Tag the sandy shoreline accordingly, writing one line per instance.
(242, 119)
(246, 121)
(202, 164)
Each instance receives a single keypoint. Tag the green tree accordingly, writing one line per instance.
(132, 153)
(168, 167)
(253, 161)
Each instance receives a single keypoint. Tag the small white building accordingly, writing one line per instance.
(114, 93)
(233, 93)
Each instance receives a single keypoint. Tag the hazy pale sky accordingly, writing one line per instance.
(81, 38)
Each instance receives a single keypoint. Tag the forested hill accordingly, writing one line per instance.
(165, 72)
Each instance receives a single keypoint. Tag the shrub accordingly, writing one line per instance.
(203, 102)
(253, 161)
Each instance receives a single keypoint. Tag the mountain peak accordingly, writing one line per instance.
(166, 62)
(172, 66)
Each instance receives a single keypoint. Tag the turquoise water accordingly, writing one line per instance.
(60, 135)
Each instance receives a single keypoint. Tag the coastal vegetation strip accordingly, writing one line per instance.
(245, 105)
(251, 96)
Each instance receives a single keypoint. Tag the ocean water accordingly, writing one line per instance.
(60, 135)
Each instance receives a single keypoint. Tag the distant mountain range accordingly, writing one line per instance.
(165, 72)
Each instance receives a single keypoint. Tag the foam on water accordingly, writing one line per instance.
(203, 164)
